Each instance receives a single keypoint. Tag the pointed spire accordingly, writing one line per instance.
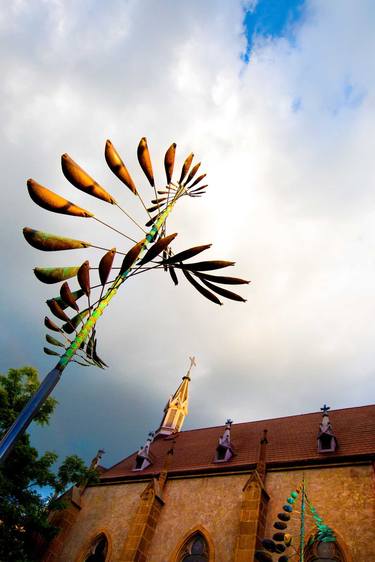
(176, 409)
(327, 441)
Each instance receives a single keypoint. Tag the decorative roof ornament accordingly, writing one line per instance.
(144, 458)
(77, 336)
(327, 441)
(224, 450)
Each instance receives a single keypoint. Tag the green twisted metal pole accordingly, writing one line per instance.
(50, 381)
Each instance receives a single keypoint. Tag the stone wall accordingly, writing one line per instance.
(343, 496)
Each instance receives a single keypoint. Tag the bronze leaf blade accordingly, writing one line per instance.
(132, 256)
(187, 254)
(76, 294)
(169, 162)
(186, 167)
(51, 325)
(68, 297)
(223, 292)
(173, 275)
(157, 248)
(54, 341)
(50, 201)
(50, 242)
(118, 167)
(205, 265)
(202, 290)
(52, 275)
(145, 160)
(83, 276)
(223, 280)
(199, 178)
(81, 180)
(105, 265)
(50, 351)
(56, 309)
(192, 173)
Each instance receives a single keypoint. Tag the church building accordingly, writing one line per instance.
(231, 493)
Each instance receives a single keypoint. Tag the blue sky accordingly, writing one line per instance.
(271, 19)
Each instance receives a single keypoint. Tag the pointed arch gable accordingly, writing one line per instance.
(343, 548)
(197, 529)
(100, 532)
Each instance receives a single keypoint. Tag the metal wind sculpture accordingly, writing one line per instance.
(77, 335)
(282, 542)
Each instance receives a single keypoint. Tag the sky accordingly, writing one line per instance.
(277, 101)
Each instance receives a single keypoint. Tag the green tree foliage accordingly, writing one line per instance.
(23, 509)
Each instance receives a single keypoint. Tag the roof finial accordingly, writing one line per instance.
(325, 409)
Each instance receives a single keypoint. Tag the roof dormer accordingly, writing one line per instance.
(327, 442)
(224, 450)
(143, 458)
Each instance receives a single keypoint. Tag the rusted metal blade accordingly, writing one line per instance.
(83, 181)
(202, 290)
(118, 167)
(50, 242)
(52, 202)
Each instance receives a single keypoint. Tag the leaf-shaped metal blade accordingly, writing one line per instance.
(173, 275)
(198, 189)
(68, 297)
(81, 180)
(186, 254)
(205, 265)
(118, 167)
(52, 202)
(51, 325)
(105, 265)
(50, 351)
(223, 292)
(202, 290)
(199, 178)
(145, 160)
(152, 220)
(192, 173)
(96, 357)
(186, 167)
(52, 275)
(83, 276)
(56, 309)
(223, 280)
(76, 294)
(90, 345)
(157, 248)
(158, 206)
(132, 256)
(169, 161)
(70, 326)
(50, 242)
(54, 341)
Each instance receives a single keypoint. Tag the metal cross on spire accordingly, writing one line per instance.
(325, 409)
(193, 363)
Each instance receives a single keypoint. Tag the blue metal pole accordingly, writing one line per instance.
(28, 413)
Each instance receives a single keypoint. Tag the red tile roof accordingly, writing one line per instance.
(291, 441)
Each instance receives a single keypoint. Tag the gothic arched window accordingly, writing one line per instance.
(98, 550)
(195, 550)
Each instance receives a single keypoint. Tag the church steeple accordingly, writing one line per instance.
(176, 409)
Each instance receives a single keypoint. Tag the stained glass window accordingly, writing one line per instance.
(98, 550)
